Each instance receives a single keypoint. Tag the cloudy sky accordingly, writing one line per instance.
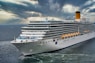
(17, 11)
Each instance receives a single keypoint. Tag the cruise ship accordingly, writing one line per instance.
(49, 35)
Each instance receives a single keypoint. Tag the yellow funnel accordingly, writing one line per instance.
(77, 16)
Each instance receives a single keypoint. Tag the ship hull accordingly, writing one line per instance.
(47, 45)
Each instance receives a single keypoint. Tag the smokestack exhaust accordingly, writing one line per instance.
(77, 16)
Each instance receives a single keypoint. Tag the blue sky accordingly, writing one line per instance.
(17, 11)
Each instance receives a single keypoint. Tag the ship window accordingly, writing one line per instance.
(53, 26)
(55, 42)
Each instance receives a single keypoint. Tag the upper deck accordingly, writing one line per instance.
(38, 30)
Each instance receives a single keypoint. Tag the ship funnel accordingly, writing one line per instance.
(77, 16)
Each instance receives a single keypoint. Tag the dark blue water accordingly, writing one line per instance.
(80, 53)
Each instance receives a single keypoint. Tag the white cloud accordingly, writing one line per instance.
(88, 9)
(33, 2)
(54, 6)
(33, 12)
(5, 15)
(88, 2)
(15, 1)
(92, 7)
(69, 8)
(20, 2)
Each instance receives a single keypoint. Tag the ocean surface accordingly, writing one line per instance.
(80, 53)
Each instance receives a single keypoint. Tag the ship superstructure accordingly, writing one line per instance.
(44, 36)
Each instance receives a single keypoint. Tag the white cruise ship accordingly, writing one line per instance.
(45, 36)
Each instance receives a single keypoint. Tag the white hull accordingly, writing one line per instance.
(50, 45)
